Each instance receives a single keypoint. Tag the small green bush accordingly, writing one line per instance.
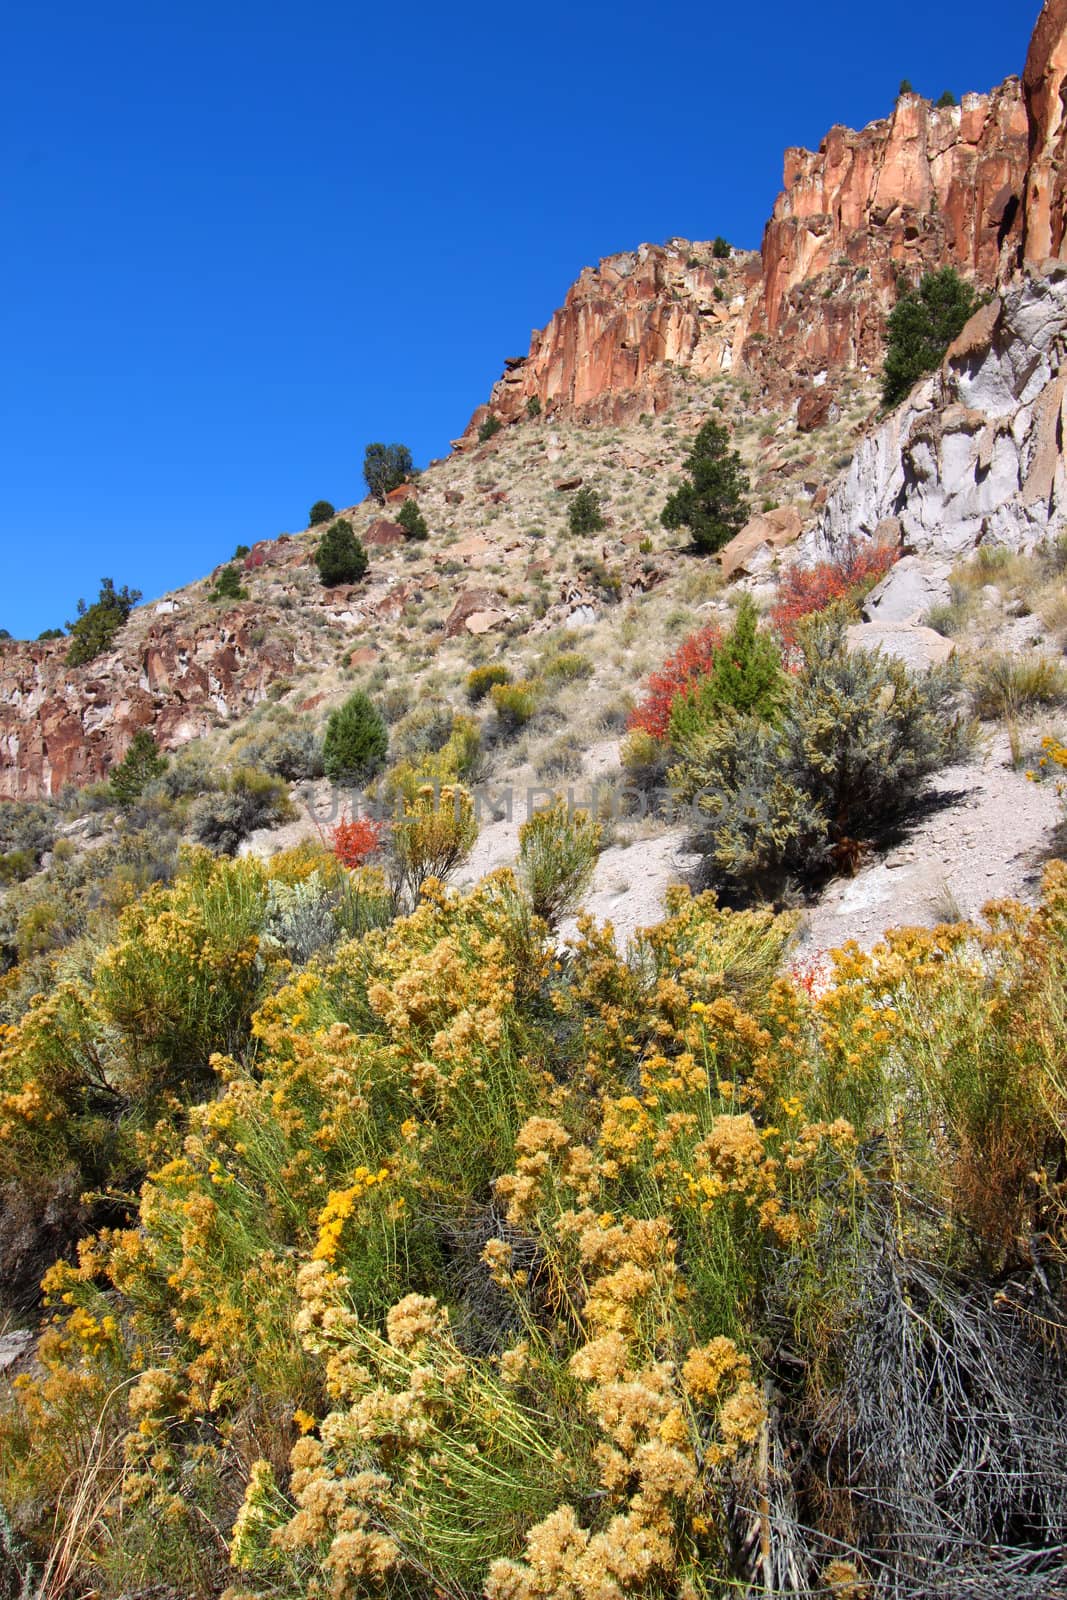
(857, 737)
(27, 825)
(607, 583)
(645, 760)
(558, 850)
(241, 551)
(250, 800)
(533, 406)
(584, 514)
(950, 617)
(97, 624)
(514, 704)
(320, 512)
(425, 729)
(339, 555)
(570, 666)
(746, 677)
(228, 585)
(433, 835)
(492, 425)
(563, 758)
(1007, 685)
(721, 249)
(16, 866)
(947, 99)
(481, 679)
(412, 520)
(394, 701)
(356, 742)
(283, 743)
(142, 762)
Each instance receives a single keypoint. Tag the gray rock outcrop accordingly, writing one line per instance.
(976, 452)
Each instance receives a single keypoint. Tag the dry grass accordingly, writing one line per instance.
(1008, 685)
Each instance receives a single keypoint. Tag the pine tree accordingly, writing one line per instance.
(142, 762)
(412, 520)
(386, 467)
(746, 677)
(585, 515)
(98, 624)
(922, 325)
(711, 503)
(356, 741)
(339, 555)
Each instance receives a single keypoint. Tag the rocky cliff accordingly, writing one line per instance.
(926, 187)
(608, 352)
(177, 675)
(977, 451)
(1045, 88)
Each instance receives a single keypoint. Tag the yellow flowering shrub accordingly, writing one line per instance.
(428, 1464)
(58, 1088)
(185, 974)
(487, 1267)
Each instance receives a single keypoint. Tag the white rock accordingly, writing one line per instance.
(908, 591)
(974, 452)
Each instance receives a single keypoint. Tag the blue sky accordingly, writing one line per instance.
(243, 241)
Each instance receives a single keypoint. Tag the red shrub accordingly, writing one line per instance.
(804, 590)
(255, 557)
(692, 661)
(355, 840)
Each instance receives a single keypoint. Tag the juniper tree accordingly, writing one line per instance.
(711, 502)
(922, 325)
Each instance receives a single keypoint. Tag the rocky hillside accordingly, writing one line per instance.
(785, 346)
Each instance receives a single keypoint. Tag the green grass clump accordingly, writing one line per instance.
(558, 850)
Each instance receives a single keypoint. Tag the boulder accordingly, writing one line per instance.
(480, 622)
(760, 541)
(813, 409)
(907, 592)
(919, 648)
(468, 604)
(385, 535)
(472, 550)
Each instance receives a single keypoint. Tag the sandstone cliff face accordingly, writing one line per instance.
(608, 351)
(1045, 88)
(977, 451)
(923, 188)
(927, 187)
